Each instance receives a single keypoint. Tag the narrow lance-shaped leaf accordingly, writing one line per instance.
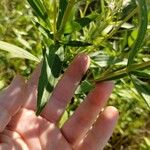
(16, 51)
(51, 69)
(142, 74)
(85, 21)
(38, 8)
(78, 44)
(65, 18)
(85, 87)
(143, 88)
(143, 22)
(62, 7)
(45, 32)
(80, 23)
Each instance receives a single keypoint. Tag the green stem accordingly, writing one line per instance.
(142, 31)
(123, 72)
(102, 6)
(140, 66)
(55, 16)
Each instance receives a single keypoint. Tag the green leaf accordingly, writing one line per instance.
(132, 37)
(69, 11)
(55, 63)
(51, 69)
(78, 44)
(38, 8)
(143, 88)
(16, 51)
(143, 23)
(83, 21)
(142, 74)
(71, 26)
(78, 24)
(62, 7)
(43, 30)
(86, 86)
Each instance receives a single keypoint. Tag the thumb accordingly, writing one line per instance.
(11, 99)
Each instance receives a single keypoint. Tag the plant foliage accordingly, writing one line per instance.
(85, 27)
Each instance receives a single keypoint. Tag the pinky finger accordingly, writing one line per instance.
(101, 131)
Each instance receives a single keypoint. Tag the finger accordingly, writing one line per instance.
(11, 99)
(99, 135)
(35, 76)
(85, 115)
(32, 86)
(65, 88)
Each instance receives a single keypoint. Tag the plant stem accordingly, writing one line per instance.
(55, 14)
(123, 72)
(65, 18)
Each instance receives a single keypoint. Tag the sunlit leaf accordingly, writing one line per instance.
(132, 38)
(79, 23)
(38, 8)
(16, 51)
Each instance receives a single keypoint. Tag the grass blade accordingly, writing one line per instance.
(38, 8)
(16, 51)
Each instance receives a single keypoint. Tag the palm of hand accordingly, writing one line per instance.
(26, 131)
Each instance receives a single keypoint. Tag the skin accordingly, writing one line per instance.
(89, 128)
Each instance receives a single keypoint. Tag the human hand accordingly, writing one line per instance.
(88, 128)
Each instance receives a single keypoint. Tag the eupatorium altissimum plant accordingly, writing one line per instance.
(104, 29)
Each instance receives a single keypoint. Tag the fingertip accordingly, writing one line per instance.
(111, 113)
(83, 61)
(106, 84)
(33, 81)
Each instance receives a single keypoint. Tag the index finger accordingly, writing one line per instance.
(65, 88)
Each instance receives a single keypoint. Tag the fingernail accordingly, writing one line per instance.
(83, 62)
